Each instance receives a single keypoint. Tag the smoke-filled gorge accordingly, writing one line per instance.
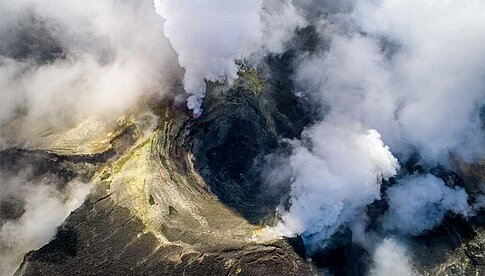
(255, 137)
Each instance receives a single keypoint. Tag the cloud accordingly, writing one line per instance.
(44, 208)
(411, 72)
(419, 203)
(63, 61)
(209, 36)
(391, 258)
(439, 67)
(280, 19)
(333, 180)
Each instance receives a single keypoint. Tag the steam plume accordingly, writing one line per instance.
(209, 36)
(391, 258)
(64, 61)
(419, 203)
(408, 70)
(334, 180)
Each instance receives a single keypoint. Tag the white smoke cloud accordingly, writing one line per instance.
(279, 21)
(209, 36)
(112, 55)
(394, 94)
(438, 68)
(419, 203)
(391, 258)
(412, 71)
(334, 179)
(45, 208)
(352, 82)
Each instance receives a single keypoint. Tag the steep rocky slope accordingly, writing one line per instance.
(153, 213)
